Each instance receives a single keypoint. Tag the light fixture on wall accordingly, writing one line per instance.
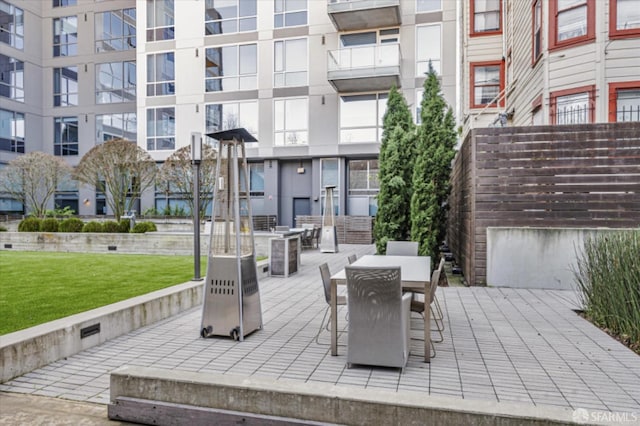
(322, 101)
(300, 168)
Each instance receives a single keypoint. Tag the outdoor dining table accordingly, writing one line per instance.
(415, 274)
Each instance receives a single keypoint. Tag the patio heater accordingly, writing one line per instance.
(329, 240)
(231, 305)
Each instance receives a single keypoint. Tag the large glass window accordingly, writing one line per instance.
(624, 101)
(428, 5)
(65, 140)
(573, 21)
(485, 16)
(230, 115)
(161, 129)
(537, 29)
(160, 24)
(230, 16)
(291, 121)
(256, 179)
(64, 3)
(116, 126)
(289, 13)
(486, 80)
(573, 106)
(290, 63)
(11, 131)
(115, 30)
(624, 18)
(428, 48)
(231, 68)
(65, 86)
(361, 117)
(363, 187)
(161, 74)
(116, 82)
(65, 36)
(11, 25)
(11, 78)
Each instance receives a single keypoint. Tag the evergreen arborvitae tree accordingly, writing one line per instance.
(435, 150)
(395, 171)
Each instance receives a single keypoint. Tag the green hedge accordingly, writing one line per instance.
(71, 224)
(608, 276)
(49, 224)
(93, 226)
(3, 229)
(142, 227)
(111, 226)
(29, 224)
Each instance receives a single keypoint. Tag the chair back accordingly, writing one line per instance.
(377, 327)
(352, 258)
(435, 279)
(402, 248)
(325, 274)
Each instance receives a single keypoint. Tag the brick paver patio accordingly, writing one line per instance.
(516, 345)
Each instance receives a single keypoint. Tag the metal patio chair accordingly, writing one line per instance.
(402, 248)
(325, 274)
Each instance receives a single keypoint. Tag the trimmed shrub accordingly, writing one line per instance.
(111, 226)
(142, 227)
(49, 224)
(92, 226)
(3, 229)
(123, 226)
(71, 224)
(29, 224)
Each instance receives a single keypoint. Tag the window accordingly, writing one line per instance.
(363, 187)
(160, 20)
(487, 83)
(573, 106)
(11, 131)
(116, 126)
(537, 30)
(361, 118)
(537, 117)
(418, 104)
(66, 194)
(115, 30)
(64, 3)
(290, 63)
(11, 25)
(572, 22)
(116, 82)
(330, 176)
(231, 115)
(428, 48)
(65, 86)
(11, 78)
(65, 36)
(291, 121)
(624, 18)
(231, 68)
(428, 5)
(485, 17)
(65, 140)
(160, 74)
(161, 129)
(624, 101)
(289, 13)
(256, 179)
(230, 16)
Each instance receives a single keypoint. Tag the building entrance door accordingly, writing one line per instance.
(301, 207)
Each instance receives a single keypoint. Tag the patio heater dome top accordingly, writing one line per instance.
(240, 134)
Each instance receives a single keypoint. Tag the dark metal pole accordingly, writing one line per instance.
(196, 222)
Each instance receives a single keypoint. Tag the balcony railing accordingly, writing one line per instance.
(364, 68)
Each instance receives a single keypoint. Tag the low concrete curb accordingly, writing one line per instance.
(318, 401)
(26, 350)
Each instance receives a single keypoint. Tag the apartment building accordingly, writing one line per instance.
(308, 78)
(538, 62)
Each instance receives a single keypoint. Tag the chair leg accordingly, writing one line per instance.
(438, 317)
(321, 326)
(438, 328)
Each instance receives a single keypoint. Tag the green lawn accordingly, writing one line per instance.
(36, 287)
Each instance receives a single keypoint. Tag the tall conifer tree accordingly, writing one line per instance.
(393, 220)
(436, 140)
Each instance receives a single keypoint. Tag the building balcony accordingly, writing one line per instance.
(350, 15)
(366, 68)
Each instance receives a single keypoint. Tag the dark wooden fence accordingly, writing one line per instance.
(350, 229)
(568, 176)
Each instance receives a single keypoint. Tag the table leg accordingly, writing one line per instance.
(334, 318)
(427, 331)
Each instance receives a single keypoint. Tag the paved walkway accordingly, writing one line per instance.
(526, 346)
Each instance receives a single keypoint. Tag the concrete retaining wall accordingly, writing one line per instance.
(149, 243)
(320, 402)
(535, 257)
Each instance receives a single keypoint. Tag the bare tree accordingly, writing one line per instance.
(32, 179)
(176, 175)
(121, 170)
